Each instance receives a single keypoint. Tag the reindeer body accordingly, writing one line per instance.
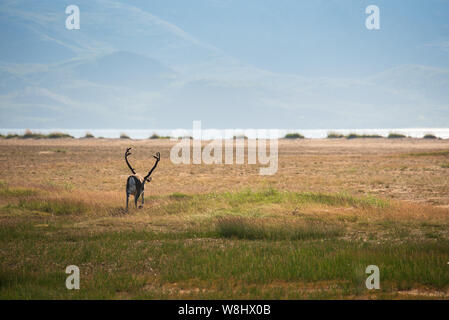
(135, 184)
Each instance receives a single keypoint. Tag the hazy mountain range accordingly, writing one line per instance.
(127, 68)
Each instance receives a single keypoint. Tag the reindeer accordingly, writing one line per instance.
(135, 184)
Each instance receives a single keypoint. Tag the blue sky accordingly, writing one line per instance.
(319, 37)
(246, 64)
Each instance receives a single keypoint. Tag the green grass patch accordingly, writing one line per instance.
(343, 200)
(256, 229)
(248, 201)
(439, 153)
(256, 262)
(179, 196)
(53, 206)
(240, 261)
(304, 198)
(15, 192)
(133, 264)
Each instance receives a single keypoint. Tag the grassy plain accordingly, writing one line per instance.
(334, 207)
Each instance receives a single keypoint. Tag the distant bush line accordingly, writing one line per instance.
(292, 136)
(88, 135)
(335, 135)
(156, 136)
(392, 135)
(33, 135)
(358, 136)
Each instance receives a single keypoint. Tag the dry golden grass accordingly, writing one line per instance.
(382, 167)
(363, 199)
(91, 173)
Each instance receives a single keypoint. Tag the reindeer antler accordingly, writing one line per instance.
(158, 158)
(127, 153)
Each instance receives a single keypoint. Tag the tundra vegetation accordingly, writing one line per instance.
(335, 135)
(331, 135)
(293, 136)
(394, 135)
(156, 136)
(219, 231)
(365, 136)
(35, 135)
(124, 136)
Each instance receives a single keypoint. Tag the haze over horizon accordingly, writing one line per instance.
(231, 64)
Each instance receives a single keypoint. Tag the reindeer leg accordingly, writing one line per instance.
(143, 201)
(135, 200)
(140, 196)
(127, 198)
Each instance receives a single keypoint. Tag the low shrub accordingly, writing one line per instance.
(293, 136)
(58, 135)
(394, 135)
(335, 135)
(124, 136)
(363, 136)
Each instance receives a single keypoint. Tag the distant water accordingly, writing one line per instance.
(217, 133)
